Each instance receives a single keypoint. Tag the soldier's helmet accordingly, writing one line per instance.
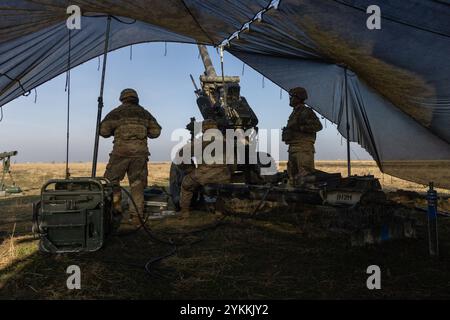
(129, 95)
(209, 124)
(299, 93)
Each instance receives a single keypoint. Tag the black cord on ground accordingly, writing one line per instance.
(152, 234)
(127, 234)
(152, 237)
(218, 223)
(170, 242)
(159, 259)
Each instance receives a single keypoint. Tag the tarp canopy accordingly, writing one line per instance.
(398, 78)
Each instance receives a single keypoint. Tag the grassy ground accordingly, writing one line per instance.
(30, 177)
(268, 258)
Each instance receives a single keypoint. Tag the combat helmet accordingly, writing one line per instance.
(129, 95)
(300, 93)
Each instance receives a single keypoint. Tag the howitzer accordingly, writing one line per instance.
(219, 98)
(5, 157)
(197, 90)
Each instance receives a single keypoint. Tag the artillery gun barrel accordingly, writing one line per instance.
(5, 155)
(197, 91)
(209, 68)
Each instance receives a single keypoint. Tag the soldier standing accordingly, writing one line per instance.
(300, 134)
(131, 125)
(204, 173)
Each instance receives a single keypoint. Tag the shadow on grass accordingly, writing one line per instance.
(240, 259)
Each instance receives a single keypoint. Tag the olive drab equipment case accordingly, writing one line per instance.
(73, 215)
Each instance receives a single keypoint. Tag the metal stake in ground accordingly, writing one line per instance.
(433, 236)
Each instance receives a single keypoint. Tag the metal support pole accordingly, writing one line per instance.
(69, 65)
(100, 100)
(433, 235)
(222, 67)
(349, 160)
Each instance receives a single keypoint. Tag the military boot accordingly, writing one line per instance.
(117, 201)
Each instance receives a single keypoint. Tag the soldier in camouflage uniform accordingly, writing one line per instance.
(131, 125)
(300, 134)
(204, 173)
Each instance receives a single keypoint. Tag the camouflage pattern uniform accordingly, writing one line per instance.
(131, 125)
(300, 134)
(203, 174)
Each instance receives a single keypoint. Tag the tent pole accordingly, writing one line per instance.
(68, 80)
(100, 100)
(349, 160)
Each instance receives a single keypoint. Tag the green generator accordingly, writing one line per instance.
(73, 215)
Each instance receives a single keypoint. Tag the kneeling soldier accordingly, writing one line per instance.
(204, 173)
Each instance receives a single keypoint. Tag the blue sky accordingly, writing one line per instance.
(38, 130)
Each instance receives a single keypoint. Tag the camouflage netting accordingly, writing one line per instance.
(398, 77)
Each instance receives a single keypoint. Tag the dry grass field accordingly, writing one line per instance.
(30, 176)
(262, 258)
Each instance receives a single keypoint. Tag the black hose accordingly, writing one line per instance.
(143, 222)
(152, 237)
(126, 234)
(170, 242)
(159, 259)
(213, 226)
